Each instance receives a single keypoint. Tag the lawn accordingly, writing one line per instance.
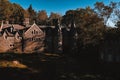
(48, 66)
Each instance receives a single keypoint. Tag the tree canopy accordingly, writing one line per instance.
(42, 17)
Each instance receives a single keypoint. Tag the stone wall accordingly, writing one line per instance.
(34, 39)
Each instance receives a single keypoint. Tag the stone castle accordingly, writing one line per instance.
(35, 38)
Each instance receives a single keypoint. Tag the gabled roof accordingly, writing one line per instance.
(18, 27)
(8, 33)
(6, 26)
(34, 25)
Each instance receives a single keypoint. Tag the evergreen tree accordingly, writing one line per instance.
(32, 14)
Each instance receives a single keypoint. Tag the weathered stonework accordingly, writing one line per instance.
(34, 39)
(22, 40)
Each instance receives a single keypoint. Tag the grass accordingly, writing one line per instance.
(49, 66)
(12, 64)
(29, 66)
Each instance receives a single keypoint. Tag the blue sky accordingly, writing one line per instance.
(58, 6)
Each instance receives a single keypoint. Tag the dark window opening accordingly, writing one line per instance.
(35, 32)
(34, 39)
(32, 32)
(11, 45)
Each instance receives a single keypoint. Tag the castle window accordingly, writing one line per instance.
(39, 39)
(11, 45)
(5, 37)
(36, 32)
(32, 32)
(31, 39)
(17, 37)
(35, 39)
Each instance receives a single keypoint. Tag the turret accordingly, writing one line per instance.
(1, 27)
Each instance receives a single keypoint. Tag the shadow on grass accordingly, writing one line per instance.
(36, 68)
(24, 74)
(47, 67)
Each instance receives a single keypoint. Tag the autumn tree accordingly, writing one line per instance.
(89, 26)
(68, 17)
(104, 11)
(26, 14)
(117, 15)
(17, 15)
(54, 16)
(5, 9)
(42, 17)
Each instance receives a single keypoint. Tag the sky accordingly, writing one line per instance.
(58, 6)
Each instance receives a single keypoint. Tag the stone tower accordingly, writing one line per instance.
(69, 34)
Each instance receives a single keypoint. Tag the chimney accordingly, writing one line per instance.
(7, 22)
(1, 26)
(12, 28)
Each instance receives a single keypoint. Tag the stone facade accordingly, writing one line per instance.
(36, 38)
(52, 39)
(10, 39)
(69, 38)
(33, 39)
(20, 39)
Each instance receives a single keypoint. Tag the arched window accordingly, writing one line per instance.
(32, 32)
(5, 37)
(36, 32)
(11, 45)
